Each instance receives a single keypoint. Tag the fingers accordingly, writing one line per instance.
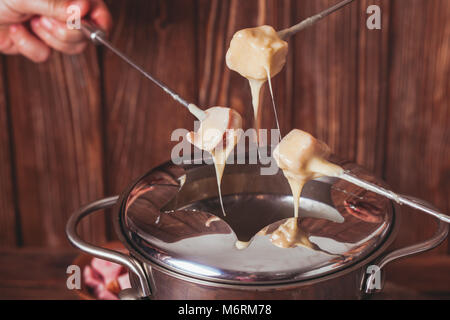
(60, 31)
(57, 9)
(58, 36)
(67, 43)
(101, 15)
(27, 44)
(49, 24)
(7, 46)
(51, 8)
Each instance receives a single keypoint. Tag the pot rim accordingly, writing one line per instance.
(134, 252)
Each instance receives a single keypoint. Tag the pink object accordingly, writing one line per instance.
(106, 279)
(124, 281)
(91, 278)
(103, 294)
(13, 28)
(108, 270)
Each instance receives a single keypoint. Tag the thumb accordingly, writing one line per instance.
(57, 9)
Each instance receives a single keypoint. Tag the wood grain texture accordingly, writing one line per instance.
(140, 117)
(325, 78)
(280, 15)
(373, 84)
(425, 273)
(30, 274)
(8, 227)
(41, 274)
(418, 134)
(379, 98)
(217, 22)
(55, 113)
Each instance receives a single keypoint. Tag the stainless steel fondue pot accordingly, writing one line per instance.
(182, 247)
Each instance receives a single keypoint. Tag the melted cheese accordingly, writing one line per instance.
(218, 134)
(241, 245)
(303, 158)
(289, 235)
(253, 51)
(257, 54)
(255, 88)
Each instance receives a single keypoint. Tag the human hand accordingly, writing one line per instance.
(34, 27)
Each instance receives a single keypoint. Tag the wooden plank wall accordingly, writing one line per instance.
(8, 219)
(57, 138)
(77, 128)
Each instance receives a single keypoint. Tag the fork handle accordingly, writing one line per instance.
(94, 33)
(400, 199)
(286, 33)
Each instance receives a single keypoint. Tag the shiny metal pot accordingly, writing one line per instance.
(182, 246)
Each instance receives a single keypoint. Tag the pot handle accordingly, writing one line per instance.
(102, 253)
(372, 282)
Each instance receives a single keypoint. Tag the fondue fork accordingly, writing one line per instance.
(286, 33)
(400, 199)
(98, 36)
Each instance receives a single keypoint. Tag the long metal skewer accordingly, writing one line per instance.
(400, 199)
(286, 33)
(97, 36)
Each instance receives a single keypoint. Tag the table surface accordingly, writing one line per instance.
(41, 274)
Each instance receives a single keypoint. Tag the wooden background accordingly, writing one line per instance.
(78, 128)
